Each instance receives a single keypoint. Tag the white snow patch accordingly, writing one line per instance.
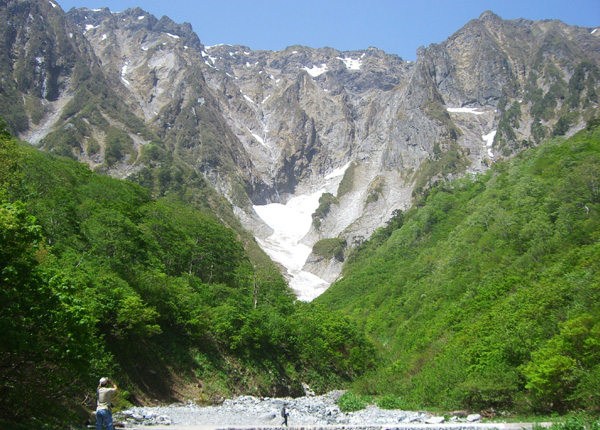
(104, 37)
(315, 71)
(248, 98)
(96, 10)
(290, 223)
(465, 110)
(205, 56)
(338, 172)
(489, 141)
(246, 53)
(294, 52)
(257, 137)
(53, 4)
(174, 36)
(141, 17)
(266, 98)
(70, 35)
(89, 27)
(350, 63)
(594, 31)
(123, 72)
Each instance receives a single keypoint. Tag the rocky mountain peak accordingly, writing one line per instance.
(488, 15)
(133, 20)
(267, 127)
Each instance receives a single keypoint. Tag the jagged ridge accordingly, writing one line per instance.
(115, 90)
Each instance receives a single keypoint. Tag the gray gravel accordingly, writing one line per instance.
(252, 412)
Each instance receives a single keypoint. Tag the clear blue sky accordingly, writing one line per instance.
(396, 26)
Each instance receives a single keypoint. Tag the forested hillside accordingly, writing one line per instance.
(486, 294)
(100, 278)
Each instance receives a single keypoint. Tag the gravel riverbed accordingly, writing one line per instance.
(253, 412)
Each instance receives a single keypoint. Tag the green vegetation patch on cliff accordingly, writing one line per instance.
(347, 182)
(451, 161)
(325, 202)
(375, 190)
(330, 248)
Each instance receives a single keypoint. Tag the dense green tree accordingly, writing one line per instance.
(45, 331)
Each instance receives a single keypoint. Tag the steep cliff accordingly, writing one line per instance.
(140, 97)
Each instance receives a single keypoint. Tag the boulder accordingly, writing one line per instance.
(473, 417)
(435, 420)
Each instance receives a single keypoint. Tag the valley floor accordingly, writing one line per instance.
(448, 426)
(310, 412)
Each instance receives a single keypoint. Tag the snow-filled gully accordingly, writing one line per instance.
(290, 223)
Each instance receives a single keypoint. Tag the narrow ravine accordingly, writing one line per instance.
(290, 223)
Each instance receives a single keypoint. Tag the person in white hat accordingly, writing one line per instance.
(103, 408)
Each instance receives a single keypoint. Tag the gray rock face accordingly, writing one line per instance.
(265, 126)
(387, 115)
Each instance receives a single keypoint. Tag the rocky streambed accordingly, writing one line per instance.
(253, 412)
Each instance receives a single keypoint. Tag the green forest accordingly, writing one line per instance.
(101, 278)
(486, 294)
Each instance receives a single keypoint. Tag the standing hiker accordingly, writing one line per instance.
(285, 415)
(103, 408)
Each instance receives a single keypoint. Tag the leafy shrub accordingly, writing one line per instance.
(573, 423)
(350, 402)
(390, 401)
(580, 421)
